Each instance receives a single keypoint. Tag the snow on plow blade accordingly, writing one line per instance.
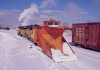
(67, 55)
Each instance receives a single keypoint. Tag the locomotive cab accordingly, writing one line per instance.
(52, 23)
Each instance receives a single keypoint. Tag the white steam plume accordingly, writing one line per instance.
(27, 15)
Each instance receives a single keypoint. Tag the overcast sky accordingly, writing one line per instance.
(16, 12)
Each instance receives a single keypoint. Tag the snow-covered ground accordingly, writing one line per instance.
(15, 54)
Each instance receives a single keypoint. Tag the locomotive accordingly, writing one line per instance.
(49, 38)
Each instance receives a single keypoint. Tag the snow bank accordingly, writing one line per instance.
(6, 37)
(17, 55)
(7, 44)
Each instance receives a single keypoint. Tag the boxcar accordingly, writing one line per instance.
(87, 35)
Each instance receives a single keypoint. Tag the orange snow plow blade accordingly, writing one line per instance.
(51, 40)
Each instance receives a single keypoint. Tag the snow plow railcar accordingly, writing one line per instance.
(50, 39)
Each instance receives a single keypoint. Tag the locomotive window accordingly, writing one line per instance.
(56, 23)
(49, 23)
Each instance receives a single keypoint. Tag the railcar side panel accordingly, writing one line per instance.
(87, 35)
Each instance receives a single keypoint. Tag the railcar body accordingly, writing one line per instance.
(87, 35)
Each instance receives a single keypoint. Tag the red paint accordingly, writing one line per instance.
(87, 34)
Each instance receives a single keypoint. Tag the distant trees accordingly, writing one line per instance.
(6, 28)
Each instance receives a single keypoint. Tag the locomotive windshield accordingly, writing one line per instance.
(53, 23)
(56, 23)
(50, 23)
